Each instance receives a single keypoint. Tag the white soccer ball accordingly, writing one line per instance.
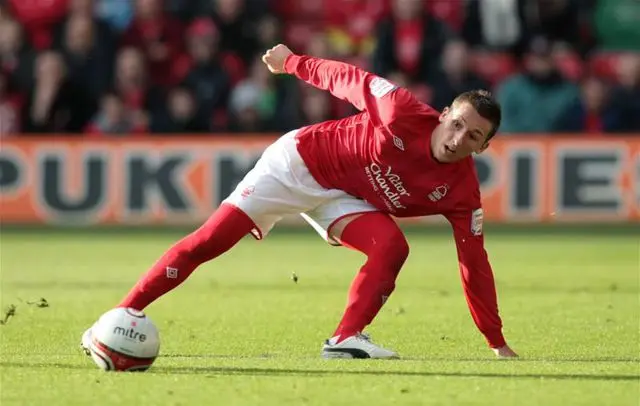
(124, 339)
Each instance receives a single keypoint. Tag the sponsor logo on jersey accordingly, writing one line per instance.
(388, 185)
(380, 87)
(476, 222)
(438, 193)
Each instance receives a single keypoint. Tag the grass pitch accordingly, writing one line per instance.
(241, 332)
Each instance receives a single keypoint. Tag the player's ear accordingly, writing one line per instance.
(483, 147)
(444, 114)
(486, 142)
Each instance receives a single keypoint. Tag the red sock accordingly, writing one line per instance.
(218, 234)
(378, 237)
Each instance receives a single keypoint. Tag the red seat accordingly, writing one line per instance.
(181, 67)
(299, 33)
(449, 11)
(493, 66)
(605, 64)
(234, 66)
(422, 92)
(361, 62)
(570, 65)
(298, 9)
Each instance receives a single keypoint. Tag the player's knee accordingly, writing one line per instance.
(393, 251)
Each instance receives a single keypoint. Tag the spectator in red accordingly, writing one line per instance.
(454, 76)
(38, 17)
(114, 119)
(48, 107)
(410, 41)
(131, 85)
(207, 79)
(594, 114)
(16, 57)
(351, 24)
(10, 109)
(159, 36)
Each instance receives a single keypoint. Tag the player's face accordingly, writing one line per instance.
(462, 131)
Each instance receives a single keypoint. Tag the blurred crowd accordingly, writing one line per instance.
(133, 67)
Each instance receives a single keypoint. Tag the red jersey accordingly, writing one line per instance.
(383, 155)
(38, 17)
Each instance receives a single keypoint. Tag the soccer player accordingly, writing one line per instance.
(397, 157)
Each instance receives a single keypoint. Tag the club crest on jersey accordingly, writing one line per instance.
(438, 193)
(248, 191)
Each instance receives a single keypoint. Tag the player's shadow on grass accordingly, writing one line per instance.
(212, 371)
(217, 371)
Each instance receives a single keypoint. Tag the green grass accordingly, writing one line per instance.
(240, 332)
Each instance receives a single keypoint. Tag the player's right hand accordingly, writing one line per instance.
(505, 352)
(275, 57)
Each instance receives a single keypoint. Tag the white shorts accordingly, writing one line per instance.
(280, 184)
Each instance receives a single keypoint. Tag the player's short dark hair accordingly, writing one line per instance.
(485, 104)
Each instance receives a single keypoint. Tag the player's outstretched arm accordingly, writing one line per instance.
(366, 91)
(275, 58)
(477, 279)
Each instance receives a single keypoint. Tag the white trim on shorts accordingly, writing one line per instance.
(280, 184)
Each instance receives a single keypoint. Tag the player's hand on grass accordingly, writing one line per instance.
(275, 57)
(505, 352)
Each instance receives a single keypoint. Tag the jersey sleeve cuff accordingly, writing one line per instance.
(291, 63)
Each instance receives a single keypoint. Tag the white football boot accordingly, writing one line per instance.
(85, 341)
(357, 346)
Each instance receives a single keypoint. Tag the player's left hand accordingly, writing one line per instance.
(275, 57)
(505, 352)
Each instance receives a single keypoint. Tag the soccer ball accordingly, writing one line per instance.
(124, 339)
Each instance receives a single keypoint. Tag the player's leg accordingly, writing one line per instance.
(357, 225)
(378, 237)
(279, 184)
(216, 236)
(264, 195)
